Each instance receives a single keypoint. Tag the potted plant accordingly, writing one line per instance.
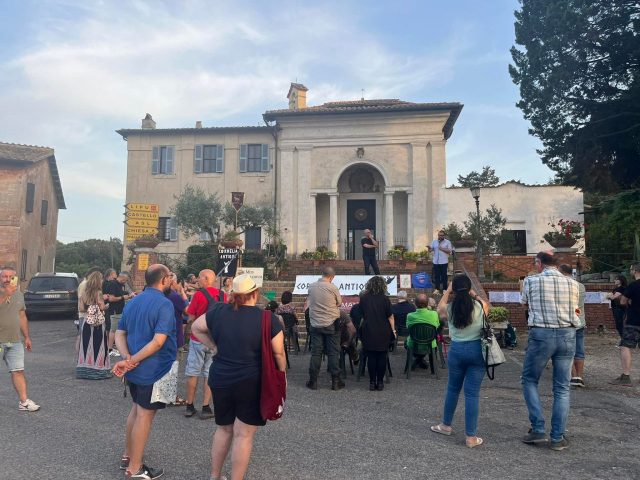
(147, 241)
(323, 253)
(457, 236)
(411, 259)
(231, 239)
(498, 317)
(563, 234)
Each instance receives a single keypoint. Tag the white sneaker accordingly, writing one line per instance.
(114, 353)
(28, 406)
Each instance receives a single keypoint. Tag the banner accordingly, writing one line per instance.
(347, 284)
(237, 200)
(348, 302)
(257, 274)
(227, 262)
(421, 280)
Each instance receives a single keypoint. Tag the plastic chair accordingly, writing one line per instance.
(422, 335)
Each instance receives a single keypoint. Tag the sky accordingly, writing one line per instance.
(73, 72)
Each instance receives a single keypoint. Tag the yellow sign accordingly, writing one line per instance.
(136, 222)
(143, 262)
(143, 207)
(142, 215)
(140, 231)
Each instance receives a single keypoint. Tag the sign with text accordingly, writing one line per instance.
(348, 301)
(227, 262)
(143, 207)
(347, 284)
(143, 262)
(142, 215)
(138, 222)
(141, 220)
(257, 274)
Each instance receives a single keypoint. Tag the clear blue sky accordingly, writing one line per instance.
(72, 72)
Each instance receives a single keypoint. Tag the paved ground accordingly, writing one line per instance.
(350, 434)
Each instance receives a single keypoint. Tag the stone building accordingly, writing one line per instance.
(29, 204)
(331, 171)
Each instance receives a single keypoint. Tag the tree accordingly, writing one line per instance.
(78, 257)
(578, 72)
(492, 225)
(486, 178)
(196, 212)
(249, 216)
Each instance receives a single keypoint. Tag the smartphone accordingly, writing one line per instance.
(14, 281)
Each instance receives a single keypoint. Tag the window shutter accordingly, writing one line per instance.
(265, 157)
(173, 230)
(197, 160)
(244, 148)
(31, 195)
(155, 161)
(220, 159)
(170, 156)
(44, 212)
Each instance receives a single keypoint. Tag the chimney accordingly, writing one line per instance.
(148, 123)
(199, 124)
(297, 96)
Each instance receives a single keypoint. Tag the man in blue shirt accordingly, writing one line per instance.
(146, 339)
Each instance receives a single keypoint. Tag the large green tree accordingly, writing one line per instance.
(249, 216)
(197, 211)
(78, 257)
(577, 63)
(490, 230)
(486, 178)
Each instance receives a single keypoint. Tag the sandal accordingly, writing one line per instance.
(180, 402)
(438, 429)
(477, 443)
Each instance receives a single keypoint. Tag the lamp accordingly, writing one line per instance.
(475, 193)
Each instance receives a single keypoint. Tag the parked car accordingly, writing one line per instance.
(52, 293)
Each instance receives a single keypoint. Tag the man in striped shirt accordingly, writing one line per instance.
(553, 317)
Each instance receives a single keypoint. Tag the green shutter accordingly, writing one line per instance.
(197, 159)
(265, 157)
(155, 161)
(220, 159)
(244, 148)
(170, 159)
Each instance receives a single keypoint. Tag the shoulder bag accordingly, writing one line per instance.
(273, 386)
(94, 316)
(491, 351)
(166, 389)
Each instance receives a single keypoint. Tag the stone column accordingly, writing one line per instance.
(420, 198)
(410, 243)
(312, 223)
(304, 236)
(287, 202)
(437, 182)
(333, 222)
(388, 222)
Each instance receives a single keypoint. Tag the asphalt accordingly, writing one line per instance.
(349, 434)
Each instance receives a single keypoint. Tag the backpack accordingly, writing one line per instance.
(289, 319)
(510, 337)
(211, 301)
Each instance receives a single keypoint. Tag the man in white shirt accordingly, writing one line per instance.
(440, 248)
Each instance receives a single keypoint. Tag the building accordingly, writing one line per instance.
(31, 198)
(330, 171)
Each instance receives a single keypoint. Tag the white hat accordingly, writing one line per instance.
(243, 284)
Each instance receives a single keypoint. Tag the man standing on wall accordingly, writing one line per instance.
(369, 245)
(631, 332)
(440, 249)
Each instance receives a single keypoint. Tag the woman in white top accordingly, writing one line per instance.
(466, 364)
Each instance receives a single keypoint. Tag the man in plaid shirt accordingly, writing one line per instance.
(553, 317)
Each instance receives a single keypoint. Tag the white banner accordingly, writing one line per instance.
(347, 284)
(257, 274)
(514, 297)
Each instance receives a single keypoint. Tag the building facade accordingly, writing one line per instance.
(330, 172)
(32, 196)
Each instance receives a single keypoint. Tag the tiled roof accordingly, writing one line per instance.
(125, 132)
(15, 152)
(371, 106)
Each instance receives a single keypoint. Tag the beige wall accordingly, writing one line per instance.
(528, 208)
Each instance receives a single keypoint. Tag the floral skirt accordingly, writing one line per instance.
(93, 361)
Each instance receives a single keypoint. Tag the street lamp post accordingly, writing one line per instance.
(475, 193)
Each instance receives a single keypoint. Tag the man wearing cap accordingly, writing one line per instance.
(324, 313)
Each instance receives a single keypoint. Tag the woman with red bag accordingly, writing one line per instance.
(234, 331)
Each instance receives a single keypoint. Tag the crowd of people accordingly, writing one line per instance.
(220, 329)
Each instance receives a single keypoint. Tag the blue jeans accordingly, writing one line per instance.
(370, 261)
(466, 365)
(559, 345)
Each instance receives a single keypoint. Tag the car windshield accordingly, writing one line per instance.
(48, 284)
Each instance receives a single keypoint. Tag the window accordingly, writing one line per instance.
(44, 210)
(252, 238)
(515, 242)
(204, 236)
(23, 265)
(208, 159)
(254, 157)
(167, 229)
(31, 195)
(163, 160)
(39, 264)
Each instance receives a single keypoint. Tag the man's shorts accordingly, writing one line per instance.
(240, 400)
(630, 336)
(198, 360)
(141, 395)
(115, 319)
(579, 355)
(13, 355)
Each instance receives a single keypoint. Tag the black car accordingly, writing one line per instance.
(52, 293)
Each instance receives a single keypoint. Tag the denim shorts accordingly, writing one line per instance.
(630, 336)
(579, 355)
(198, 360)
(13, 355)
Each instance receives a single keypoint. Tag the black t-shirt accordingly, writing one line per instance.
(632, 292)
(616, 303)
(115, 288)
(400, 311)
(238, 336)
(367, 252)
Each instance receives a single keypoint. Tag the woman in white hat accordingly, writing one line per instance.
(235, 331)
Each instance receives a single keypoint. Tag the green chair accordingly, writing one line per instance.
(422, 337)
